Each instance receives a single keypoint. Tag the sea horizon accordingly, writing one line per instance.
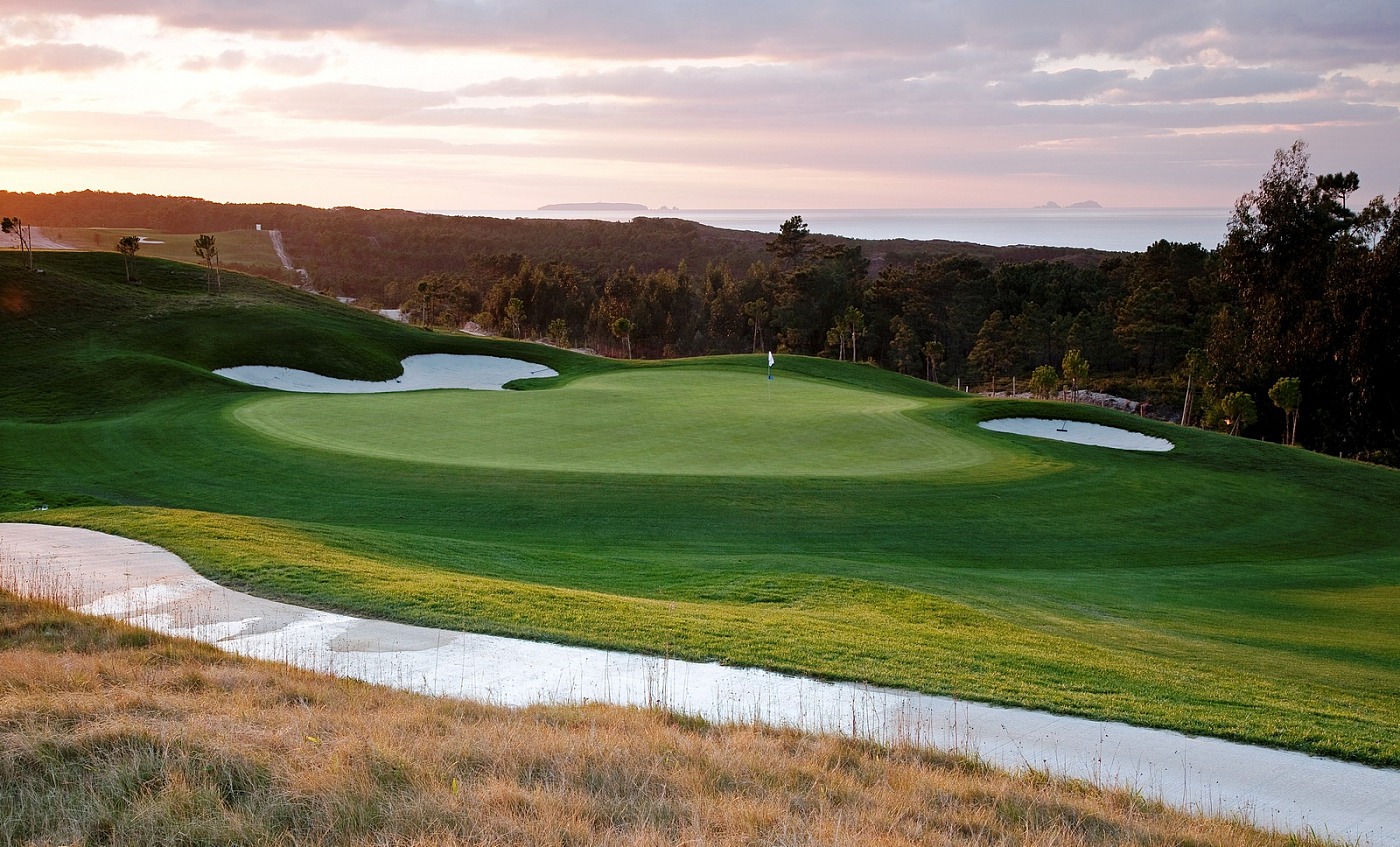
(1125, 229)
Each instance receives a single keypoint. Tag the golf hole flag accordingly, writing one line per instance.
(770, 364)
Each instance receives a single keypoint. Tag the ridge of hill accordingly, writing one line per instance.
(357, 252)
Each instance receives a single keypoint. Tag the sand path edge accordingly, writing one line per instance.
(147, 586)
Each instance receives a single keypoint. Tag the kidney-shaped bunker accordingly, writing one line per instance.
(1078, 432)
(420, 373)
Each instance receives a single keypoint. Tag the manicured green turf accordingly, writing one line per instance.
(840, 521)
(709, 422)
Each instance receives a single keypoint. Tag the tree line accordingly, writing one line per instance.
(1291, 319)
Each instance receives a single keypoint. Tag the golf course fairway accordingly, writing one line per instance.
(838, 521)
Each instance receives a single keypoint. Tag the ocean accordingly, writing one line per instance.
(1101, 229)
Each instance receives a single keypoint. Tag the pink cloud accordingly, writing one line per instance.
(58, 58)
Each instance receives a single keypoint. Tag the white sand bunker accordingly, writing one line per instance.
(1078, 432)
(420, 373)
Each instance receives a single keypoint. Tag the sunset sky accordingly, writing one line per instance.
(511, 104)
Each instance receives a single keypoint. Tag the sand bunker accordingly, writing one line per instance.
(420, 373)
(1078, 432)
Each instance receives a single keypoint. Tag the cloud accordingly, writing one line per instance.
(32, 27)
(228, 60)
(58, 58)
(289, 64)
(346, 102)
(795, 29)
(63, 127)
(913, 87)
(1193, 82)
(281, 64)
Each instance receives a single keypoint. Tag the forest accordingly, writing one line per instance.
(1285, 331)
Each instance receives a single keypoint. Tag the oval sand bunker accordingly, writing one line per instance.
(420, 373)
(1078, 432)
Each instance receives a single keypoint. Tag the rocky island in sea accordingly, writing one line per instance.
(1082, 204)
(593, 207)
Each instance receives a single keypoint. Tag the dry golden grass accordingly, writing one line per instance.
(110, 735)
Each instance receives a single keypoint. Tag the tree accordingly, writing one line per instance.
(1312, 290)
(904, 346)
(933, 357)
(622, 328)
(1287, 394)
(127, 245)
(428, 299)
(1044, 382)
(842, 330)
(1238, 411)
(1075, 368)
(22, 232)
(558, 332)
(854, 322)
(206, 249)
(995, 348)
(1197, 372)
(757, 311)
(1339, 184)
(791, 242)
(515, 313)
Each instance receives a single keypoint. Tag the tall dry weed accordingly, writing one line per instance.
(111, 736)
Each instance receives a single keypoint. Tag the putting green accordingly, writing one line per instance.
(706, 422)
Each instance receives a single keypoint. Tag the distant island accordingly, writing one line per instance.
(1082, 204)
(593, 207)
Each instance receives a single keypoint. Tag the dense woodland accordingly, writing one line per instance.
(1286, 331)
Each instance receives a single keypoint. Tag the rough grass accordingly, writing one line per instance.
(111, 735)
(1230, 588)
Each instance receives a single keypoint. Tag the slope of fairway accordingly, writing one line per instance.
(841, 521)
(719, 422)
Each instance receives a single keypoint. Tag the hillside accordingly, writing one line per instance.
(359, 251)
(841, 521)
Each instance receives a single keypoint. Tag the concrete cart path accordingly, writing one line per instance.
(150, 587)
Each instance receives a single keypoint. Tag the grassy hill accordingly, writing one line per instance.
(839, 521)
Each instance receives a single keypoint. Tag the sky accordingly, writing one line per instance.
(769, 104)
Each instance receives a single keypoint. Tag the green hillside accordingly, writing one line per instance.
(839, 521)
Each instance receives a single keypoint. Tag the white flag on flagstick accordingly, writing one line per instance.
(770, 358)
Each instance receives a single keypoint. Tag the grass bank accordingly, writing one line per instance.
(109, 734)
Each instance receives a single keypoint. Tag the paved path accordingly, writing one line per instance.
(276, 237)
(120, 578)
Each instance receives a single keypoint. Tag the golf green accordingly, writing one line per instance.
(657, 421)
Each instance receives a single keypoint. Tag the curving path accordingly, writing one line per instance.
(145, 585)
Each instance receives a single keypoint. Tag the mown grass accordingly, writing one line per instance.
(112, 735)
(246, 248)
(1228, 587)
